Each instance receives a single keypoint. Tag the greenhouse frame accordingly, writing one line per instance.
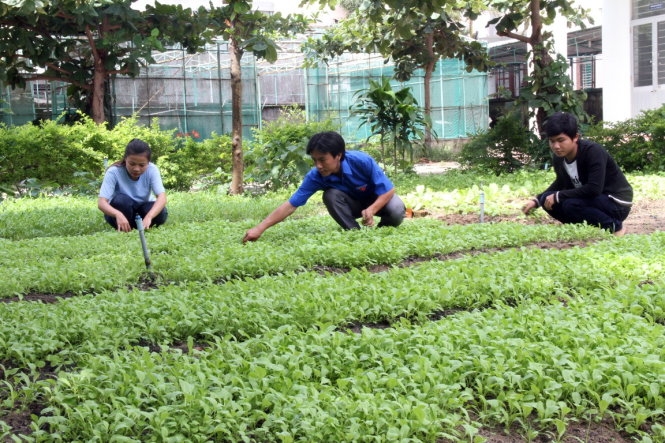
(191, 93)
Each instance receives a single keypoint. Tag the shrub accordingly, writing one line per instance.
(637, 144)
(276, 158)
(507, 147)
(207, 162)
(50, 153)
(161, 141)
(52, 157)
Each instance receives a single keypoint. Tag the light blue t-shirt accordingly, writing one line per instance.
(117, 181)
(361, 177)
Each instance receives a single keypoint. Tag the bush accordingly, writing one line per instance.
(50, 153)
(50, 157)
(161, 141)
(207, 162)
(637, 144)
(276, 158)
(507, 147)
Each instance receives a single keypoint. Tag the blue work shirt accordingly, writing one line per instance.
(361, 178)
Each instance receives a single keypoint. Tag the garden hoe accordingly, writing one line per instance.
(144, 245)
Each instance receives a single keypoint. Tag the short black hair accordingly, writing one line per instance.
(327, 141)
(561, 123)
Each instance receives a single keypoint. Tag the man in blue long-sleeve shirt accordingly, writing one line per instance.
(353, 184)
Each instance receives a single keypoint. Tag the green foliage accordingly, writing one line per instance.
(507, 147)
(207, 163)
(637, 144)
(548, 87)
(161, 141)
(50, 153)
(482, 327)
(276, 157)
(253, 30)
(551, 89)
(391, 114)
(54, 158)
(411, 35)
(44, 41)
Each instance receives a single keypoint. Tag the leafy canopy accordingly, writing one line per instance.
(411, 35)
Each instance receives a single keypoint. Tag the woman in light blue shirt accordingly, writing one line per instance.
(131, 187)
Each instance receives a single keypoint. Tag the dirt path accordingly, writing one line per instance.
(646, 217)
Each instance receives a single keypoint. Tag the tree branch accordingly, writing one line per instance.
(515, 35)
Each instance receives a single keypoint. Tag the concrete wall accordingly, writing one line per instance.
(615, 67)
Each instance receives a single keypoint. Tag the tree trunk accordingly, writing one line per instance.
(542, 60)
(98, 90)
(236, 119)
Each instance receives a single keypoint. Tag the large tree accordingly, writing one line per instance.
(248, 30)
(549, 86)
(413, 34)
(84, 43)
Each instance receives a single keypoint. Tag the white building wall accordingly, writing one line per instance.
(615, 66)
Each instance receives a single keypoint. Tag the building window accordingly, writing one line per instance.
(649, 53)
(661, 52)
(648, 8)
(509, 79)
(648, 42)
(642, 55)
(586, 73)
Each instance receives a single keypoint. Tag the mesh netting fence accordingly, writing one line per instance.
(191, 93)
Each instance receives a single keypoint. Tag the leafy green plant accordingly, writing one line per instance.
(190, 162)
(41, 158)
(49, 153)
(419, 333)
(276, 157)
(637, 144)
(505, 148)
(391, 114)
(550, 88)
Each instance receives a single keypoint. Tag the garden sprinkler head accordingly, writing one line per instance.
(144, 245)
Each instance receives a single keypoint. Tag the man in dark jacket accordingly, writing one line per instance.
(589, 186)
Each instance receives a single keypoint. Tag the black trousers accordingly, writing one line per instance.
(345, 210)
(131, 209)
(598, 211)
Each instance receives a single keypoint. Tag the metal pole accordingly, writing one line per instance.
(184, 91)
(144, 245)
(482, 206)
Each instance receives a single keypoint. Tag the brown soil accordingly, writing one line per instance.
(646, 217)
(575, 433)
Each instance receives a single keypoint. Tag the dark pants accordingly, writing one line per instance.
(131, 209)
(598, 211)
(345, 210)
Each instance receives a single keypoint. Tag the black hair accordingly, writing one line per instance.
(135, 147)
(561, 123)
(327, 141)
